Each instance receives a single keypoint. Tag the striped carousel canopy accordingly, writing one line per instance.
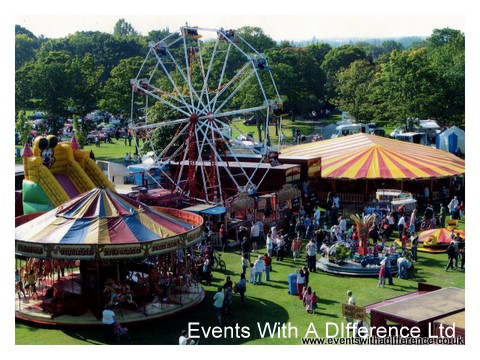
(104, 218)
(365, 156)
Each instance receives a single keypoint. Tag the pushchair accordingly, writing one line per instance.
(120, 332)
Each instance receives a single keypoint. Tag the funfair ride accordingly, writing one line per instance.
(206, 86)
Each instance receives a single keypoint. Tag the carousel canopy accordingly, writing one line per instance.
(104, 224)
(365, 156)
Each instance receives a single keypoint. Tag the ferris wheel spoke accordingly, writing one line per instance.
(205, 88)
(242, 73)
(180, 97)
(160, 124)
(222, 75)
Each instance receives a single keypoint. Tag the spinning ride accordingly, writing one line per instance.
(107, 236)
(204, 87)
(358, 259)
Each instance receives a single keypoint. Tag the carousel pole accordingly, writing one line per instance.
(118, 271)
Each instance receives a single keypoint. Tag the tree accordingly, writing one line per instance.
(446, 54)
(405, 88)
(117, 92)
(390, 45)
(257, 38)
(107, 50)
(354, 86)
(298, 77)
(337, 59)
(84, 77)
(25, 47)
(23, 88)
(79, 131)
(47, 82)
(123, 28)
(157, 35)
(23, 127)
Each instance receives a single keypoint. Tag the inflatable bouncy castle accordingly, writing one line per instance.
(57, 171)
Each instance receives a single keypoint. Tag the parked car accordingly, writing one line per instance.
(93, 134)
(374, 129)
(348, 129)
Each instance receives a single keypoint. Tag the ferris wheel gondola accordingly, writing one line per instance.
(206, 78)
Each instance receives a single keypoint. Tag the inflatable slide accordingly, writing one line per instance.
(57, 171)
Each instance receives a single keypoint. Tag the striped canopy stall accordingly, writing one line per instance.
(102, 224)
(365, 156)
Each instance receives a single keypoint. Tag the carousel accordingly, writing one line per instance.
(102, 248)
(358, 257)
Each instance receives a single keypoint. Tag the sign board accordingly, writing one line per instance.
(314, 167)
(353, 311)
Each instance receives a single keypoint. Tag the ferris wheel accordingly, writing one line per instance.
(207, 80)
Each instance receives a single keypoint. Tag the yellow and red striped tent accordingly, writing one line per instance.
(365, 156)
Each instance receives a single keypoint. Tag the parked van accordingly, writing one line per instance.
(348, 129)
(413, 137)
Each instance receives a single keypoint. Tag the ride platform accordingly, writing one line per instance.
(40, 309)
(350, 268)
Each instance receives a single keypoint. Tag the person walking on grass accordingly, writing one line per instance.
(381, 275)
(267, 261)
(259, 269)
(218, 299)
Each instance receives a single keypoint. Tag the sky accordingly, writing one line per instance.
(300, 27)
(303, 20)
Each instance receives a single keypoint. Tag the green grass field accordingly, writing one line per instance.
(268, 303)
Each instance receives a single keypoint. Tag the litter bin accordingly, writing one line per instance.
(292, 284)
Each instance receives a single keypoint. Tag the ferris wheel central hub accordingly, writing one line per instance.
(193, 118)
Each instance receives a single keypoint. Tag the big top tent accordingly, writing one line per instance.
(365, 156)
(101, 224)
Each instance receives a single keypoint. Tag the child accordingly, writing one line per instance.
(296, 247)
(314, 302)
(252, 273)
(307, 299)
(381, 275)
(120, 331)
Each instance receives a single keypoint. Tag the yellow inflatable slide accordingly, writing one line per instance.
(56, 172)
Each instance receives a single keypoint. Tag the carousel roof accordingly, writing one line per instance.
(100, 218)
(365, 156)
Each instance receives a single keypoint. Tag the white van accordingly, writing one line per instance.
(413, 137)
(348, 129)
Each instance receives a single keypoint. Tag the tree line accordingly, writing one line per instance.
(74, 75)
